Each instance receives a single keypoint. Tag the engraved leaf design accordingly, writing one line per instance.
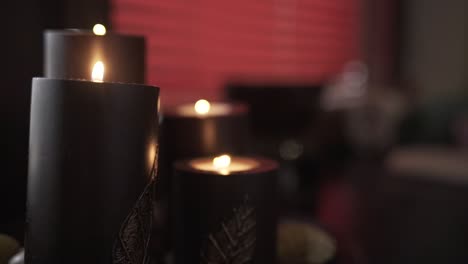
(234, 241)
(133, 241)
(132, 244)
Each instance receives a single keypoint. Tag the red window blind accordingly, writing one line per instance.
(195, 46)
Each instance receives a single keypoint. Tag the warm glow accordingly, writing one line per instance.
(202, 107)
(152, 152)
(159, 104)
(99, 30)
(225, 165)
(98, 72)
(222, 162)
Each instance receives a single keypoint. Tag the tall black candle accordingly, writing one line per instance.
(225, 210)
(92, 152)
(71, 54)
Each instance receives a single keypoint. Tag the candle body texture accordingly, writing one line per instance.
(91, 156)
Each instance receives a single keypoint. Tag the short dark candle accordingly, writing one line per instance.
(223, 128)
(219, 211)
(91, 153)
(71, 54)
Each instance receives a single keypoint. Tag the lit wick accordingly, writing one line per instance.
(99, 30)
(202, 107)
(97, 74)
(222, 163)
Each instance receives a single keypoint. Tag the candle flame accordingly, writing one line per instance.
(202, 107)
(97, 74)
(222, 162)
(99, 30)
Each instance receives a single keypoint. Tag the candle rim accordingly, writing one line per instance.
(264, 165)
(236, 109)
(120, 84)
(79, 32)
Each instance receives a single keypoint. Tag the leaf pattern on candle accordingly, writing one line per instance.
(132, 244)
(234, 241)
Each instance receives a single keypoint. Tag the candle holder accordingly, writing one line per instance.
(92, 154)
(71, 54)
(225, 215)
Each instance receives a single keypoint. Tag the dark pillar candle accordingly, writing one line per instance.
(71, 54)
(91, 154)
(188, 134)
(225, 218)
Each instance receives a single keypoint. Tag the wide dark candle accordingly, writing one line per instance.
(225, 213)
(91, 154)
(71, 54)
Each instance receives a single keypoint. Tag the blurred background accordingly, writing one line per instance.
(363, 102)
